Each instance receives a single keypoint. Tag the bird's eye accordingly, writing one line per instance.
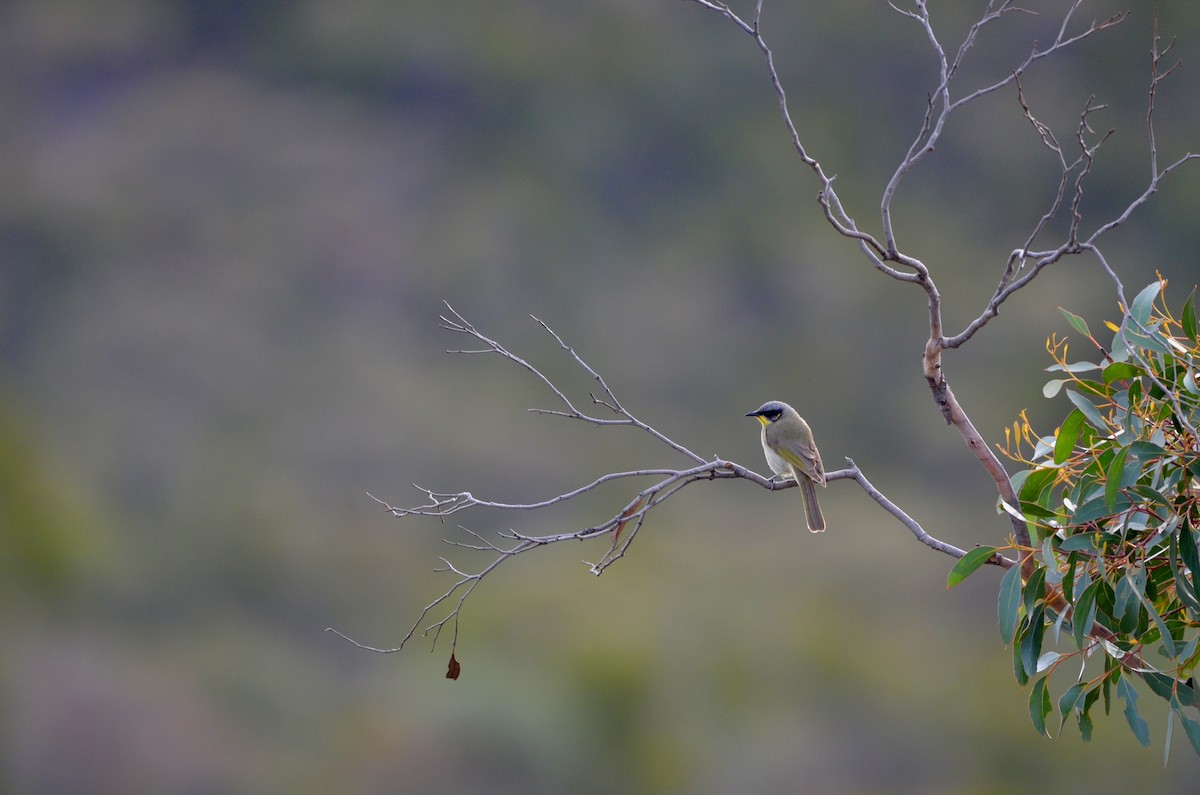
(774, 414)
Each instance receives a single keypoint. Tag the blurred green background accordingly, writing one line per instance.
(226, 231)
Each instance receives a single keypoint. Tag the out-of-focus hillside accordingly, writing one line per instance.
(226, 233)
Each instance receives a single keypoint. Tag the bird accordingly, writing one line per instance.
(792, 455)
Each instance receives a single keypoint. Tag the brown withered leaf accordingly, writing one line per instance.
(633, 508)
(455, 669)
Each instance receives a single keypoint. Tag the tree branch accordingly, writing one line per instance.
(622, 527)
(941, 105)
(661, 483)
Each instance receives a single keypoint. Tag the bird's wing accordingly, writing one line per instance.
(805, 458)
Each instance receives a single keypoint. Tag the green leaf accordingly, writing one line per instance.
(1052, 387)
(1085, 718)
(1085, 613)
(1036, 482)
(1068, 583)
(1031, 643)
(1046, 660)
(1090, 412)
(1112, 486)
(1189, 555)
(1010, 602)
(1076, 322)
(968, 563)
(1146, 451)
(1074, 367)
(1168, 642)
(1170, 689)
(1127, 600)
(1153, 341)
(1085, 727)
(1019, 669)
(1167, 741)
(1098, 508)
(1068, 434)
(1034, 590)
(1160, 685)
(1186, 694)
(1068, 701)
(1083, 542)
(1191, 726)
(1189, 322)
(1184, 588)
(1142, 305)
(1039, 706)
(1137, 723)
(1121, 371)
(1106, 687)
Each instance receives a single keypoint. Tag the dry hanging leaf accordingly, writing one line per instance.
(633, 508)
(455, 669)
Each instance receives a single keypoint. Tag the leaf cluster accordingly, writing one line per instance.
(1112, 503)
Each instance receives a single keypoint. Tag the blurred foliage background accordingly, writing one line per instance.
(226, 231)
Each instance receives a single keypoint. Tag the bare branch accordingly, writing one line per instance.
(608, 399)
(1080, 167)
(622, 527)
(918, 531)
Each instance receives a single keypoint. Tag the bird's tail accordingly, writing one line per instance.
(812, 508)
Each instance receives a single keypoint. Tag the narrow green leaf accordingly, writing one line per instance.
(1009, 603)
(1034, 590)
(1085, 727)
(1127, 603)
(1162, 685)
(1106, 687)
(1085, 613)
(1031, 643)
(1189, 322)
(1168, 642)
(1191, 727)
(1190, 556)
(1040, 706)
(1018, 668)
(1167, 740)
(1142, 305)
(1183, 586)
(1074, 367)
(1137, 724)
(1068, 434)
(1147, 494)
(1113, 485)
(1076, 322)
(1154, 341)
(1068, 583)
(1186, 694)
(968, 563)
(1090, 412)
(1068, 701)
(1085, 718)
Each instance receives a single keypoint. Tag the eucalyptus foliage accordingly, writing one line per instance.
(1112, 502)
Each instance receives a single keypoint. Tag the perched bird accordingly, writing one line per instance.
(792, 455)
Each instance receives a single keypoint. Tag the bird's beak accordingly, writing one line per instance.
(751, 413)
